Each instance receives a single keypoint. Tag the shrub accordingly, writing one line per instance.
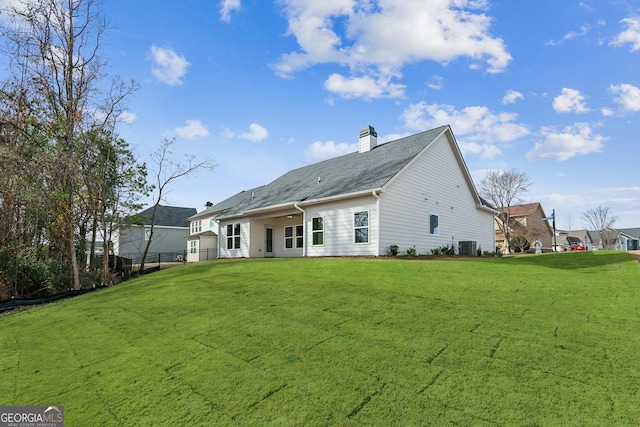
(393, 250)
(412, 251)
(497, 254)
(443, 250)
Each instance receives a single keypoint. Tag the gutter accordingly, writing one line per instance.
(272, 208)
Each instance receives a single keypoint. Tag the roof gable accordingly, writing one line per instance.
(524, 209)
(631, 232)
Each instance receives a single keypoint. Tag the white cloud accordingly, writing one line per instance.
(567, 143)
(628, 96)
(570, 100)
(169, 67)
(363, 87)
(512, 96)
(630, 35)
(319, 151)
(377, 40)
(256, 133)
(584, 29)
(477, 129)
(607, 112)
(436, 83)
(193, 129)
(127, 117)
(228, 6)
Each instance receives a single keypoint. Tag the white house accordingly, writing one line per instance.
(414, 191)
(170, 228)
(202, 241)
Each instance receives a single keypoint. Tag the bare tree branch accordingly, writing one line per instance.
(166, 172)
(505, 189)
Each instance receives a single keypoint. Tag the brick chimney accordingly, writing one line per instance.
(368, 139)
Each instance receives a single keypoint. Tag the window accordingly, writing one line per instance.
(289, 237)
(361, 226)
(433, 224)
(196, 226)
(233, 236)
(317, 231)
(299, 236)
(193, 247)
(211, 223)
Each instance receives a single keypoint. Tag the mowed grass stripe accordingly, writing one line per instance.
(535, 340)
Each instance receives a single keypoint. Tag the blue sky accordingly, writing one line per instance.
(550, 88)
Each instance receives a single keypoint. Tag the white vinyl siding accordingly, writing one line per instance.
(433, 183)
(338, 219)
(239, 233)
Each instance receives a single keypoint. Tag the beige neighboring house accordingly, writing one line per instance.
(527, 221)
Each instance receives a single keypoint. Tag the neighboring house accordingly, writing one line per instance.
(629, 239)
(570, 241)
(169, 231)
(526, 221)
(414, 191)
(592, 240)
(609, 238)
(202, 241)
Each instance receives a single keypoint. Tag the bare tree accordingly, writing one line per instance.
(165, 172)
(601, 220)
(504, 189)
(54, 50)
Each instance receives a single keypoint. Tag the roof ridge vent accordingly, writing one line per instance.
(367, 139)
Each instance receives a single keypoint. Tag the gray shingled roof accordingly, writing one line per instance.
(352, 173)
(346, 174)
(632, 232)
(168, 216)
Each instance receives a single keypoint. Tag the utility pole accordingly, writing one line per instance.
(552, 218)
(553, 215)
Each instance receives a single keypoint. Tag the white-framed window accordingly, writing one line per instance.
(147, 233)
(291, 239)
(361, 227)
(299, 236)
(233, 236)
(433, 224)
(196, 226)
(211, 223)
(193, 247)
(317, 231)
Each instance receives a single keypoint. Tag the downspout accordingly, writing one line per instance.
(304, 225)
(375, 194)
(218, 249)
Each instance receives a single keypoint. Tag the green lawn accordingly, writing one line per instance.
(532, 340)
